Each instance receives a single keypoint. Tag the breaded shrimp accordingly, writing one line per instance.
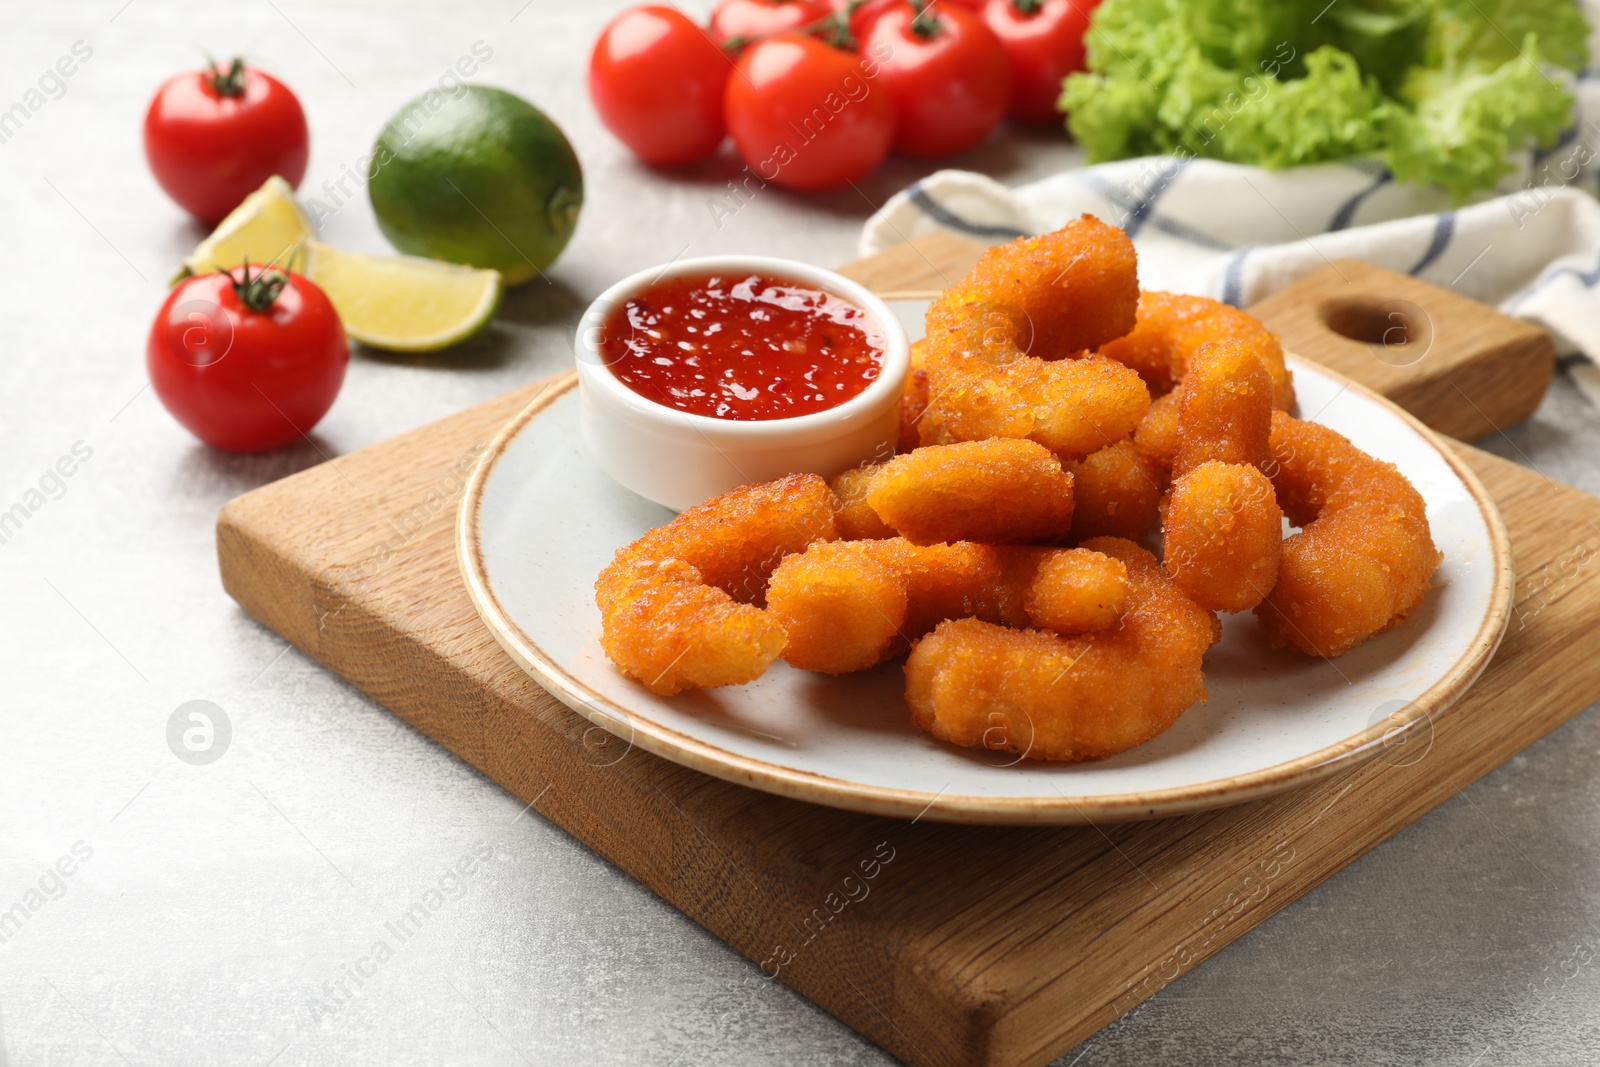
(1224, 409)
(1006, 347)
(1075, 288)
(1157, 434)
(856, 521)
(1048, 697)
(1222, 531)
(847, 605)
(1067, 591)
(679, 606)
(914, 399)
(1172, 327)
(1222, 536)
(1116, 492)
(998, 491)
(1364, 556)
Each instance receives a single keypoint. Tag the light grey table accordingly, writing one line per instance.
(210, 909)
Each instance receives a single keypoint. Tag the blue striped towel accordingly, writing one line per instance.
(1240, 233)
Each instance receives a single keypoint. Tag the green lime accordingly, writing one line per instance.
(479, 177)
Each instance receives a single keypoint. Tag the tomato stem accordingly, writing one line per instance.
(260, 292)
(925, 23)
(832, 29)
(1027, 7)
(229, 82)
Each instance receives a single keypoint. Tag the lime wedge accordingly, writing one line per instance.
(264, 229)
(400, 303)
(403, 303)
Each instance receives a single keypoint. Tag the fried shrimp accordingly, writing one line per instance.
(847, 605)
(1364, 556)
(1224, 409)
(1066, 591)
(914, 399)
(1048, 697)
(1223, 531)
(1222, 536)
(1078, 287)
(1007, 347)
(1157, 434)
(856, 521)
(1026, 425)
(679, 606)
(1173, 327)
(1116, 493)
(997, 491)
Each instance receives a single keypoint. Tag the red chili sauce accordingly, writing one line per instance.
(748, 347)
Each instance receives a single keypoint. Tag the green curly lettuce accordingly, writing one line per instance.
(1462, 126)
(1439, 88)
(1493, 32)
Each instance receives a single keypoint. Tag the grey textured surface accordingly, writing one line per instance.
(218, 900)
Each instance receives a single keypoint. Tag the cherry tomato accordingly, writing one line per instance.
(946, 72)
(658, 82)
(1043, 40)
(808, 116)
(746, 19)
(213, 136)
(247, 360)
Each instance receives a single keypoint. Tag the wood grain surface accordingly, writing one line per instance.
(1464, 369)
(946, 945)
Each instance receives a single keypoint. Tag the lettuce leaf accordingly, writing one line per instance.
(1463, 126)
(1433, 85)
(1332, 112)
(1490, 33)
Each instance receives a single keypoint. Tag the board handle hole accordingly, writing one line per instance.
(1398, 332)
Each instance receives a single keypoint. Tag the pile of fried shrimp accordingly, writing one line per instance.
(1058, 420)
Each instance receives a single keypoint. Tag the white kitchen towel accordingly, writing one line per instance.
(1239, 233)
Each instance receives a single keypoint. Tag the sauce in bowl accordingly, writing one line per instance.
(746, 347)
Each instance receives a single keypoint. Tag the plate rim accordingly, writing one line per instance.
(846, 794)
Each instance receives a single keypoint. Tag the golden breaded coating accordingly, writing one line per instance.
(997, 491)
(1224, 409)
(678, 607)
(1222, 529)
(913, 405)
(1047, 697)
(1081, 405)
(847, 605)
(1007, 347)
(1157, 434)
(1071, 406)
(919, 354)
(1116, 492)
(842, 605)
(1365, 555)
(947, 582)
(670, 631)
(855, 520)
(1222, 536)
(1077, 287)
(1075, 590)
(1173, 327)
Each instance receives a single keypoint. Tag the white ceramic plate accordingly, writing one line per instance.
(539, 521)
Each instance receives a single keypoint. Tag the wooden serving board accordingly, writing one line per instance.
(946, 945)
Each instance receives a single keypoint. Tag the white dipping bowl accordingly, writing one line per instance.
(677, 459)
